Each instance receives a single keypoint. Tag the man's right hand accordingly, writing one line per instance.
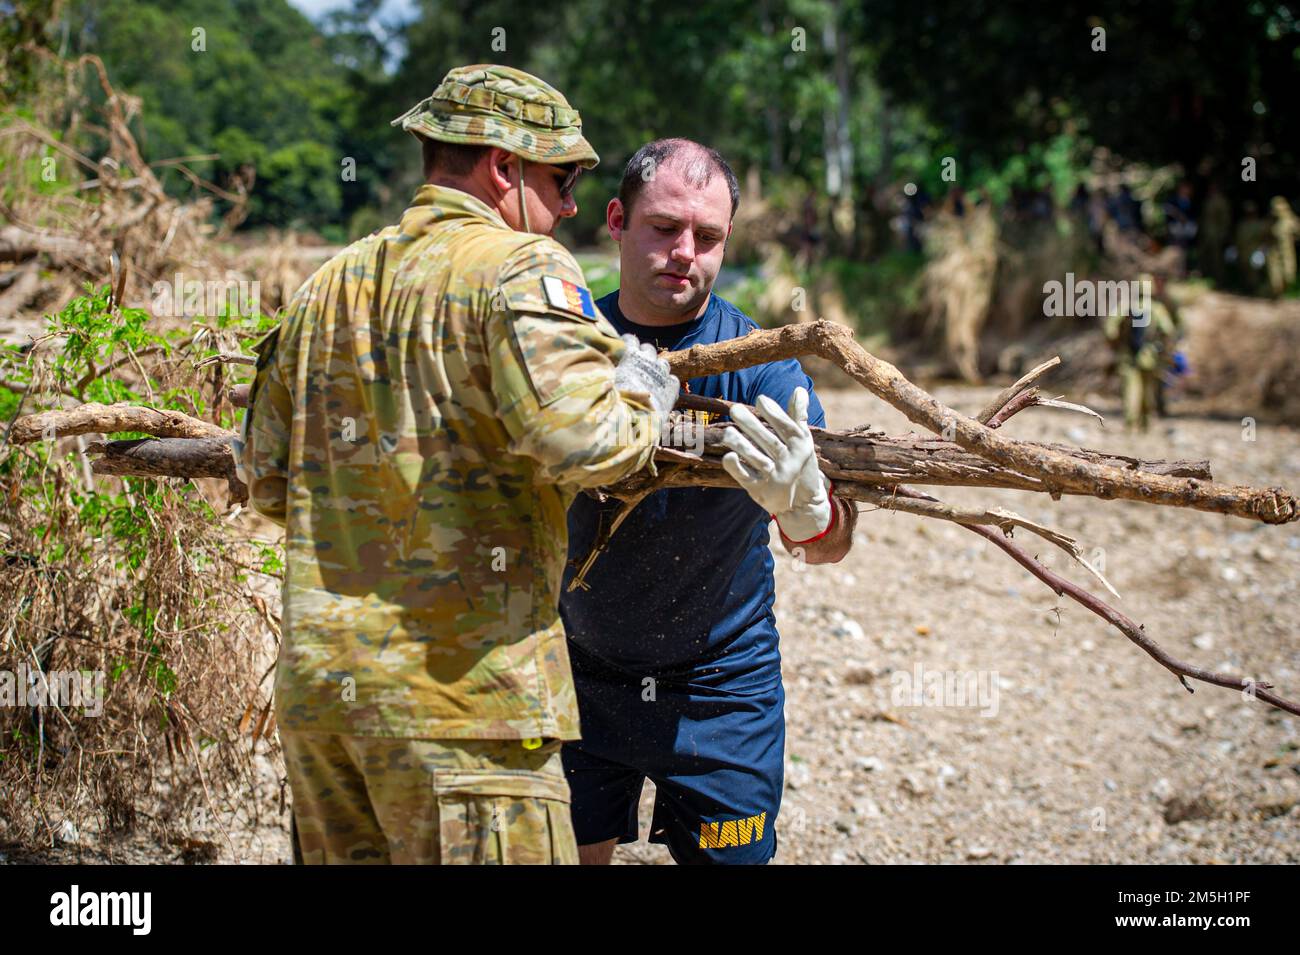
(642, 371)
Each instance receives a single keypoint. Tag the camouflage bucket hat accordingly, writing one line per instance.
(488, 105)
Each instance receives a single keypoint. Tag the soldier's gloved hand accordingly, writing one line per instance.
(780, 470)
(642, 371)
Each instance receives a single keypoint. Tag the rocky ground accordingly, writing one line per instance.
(1074, 746)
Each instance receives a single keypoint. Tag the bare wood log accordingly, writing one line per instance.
(827, 441)
(163, 457)
(17, 243)
(105, 419)
(872, 458)
(1057, 471)
(23, 288)
(169, 457)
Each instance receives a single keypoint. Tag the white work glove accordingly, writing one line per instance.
(780, 470)
(641, 371)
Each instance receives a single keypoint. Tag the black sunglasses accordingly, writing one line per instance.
(571, 172)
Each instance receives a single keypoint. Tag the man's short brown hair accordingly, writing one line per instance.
(449, 159)
(695, 161)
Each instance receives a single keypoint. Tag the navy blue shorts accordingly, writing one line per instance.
(715, 756)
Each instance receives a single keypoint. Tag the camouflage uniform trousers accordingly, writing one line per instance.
(378, 800)
(1140, 386)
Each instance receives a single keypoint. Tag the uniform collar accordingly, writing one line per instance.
(443, 202)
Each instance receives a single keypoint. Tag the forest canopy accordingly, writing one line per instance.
(818, 95)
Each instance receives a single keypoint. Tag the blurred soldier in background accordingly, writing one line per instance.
(1180, 219)
(1253, 236)
(1144, 346)
(419, 423)
(1281, 252)
(1215, 231)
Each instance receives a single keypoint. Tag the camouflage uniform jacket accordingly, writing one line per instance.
(1154, 340)
(419, 423)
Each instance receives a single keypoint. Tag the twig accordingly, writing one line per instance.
(1006, 394)
(1071, 406)
(1026, 399)
(226, 360)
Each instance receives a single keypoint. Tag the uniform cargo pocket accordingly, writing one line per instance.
(490, 817)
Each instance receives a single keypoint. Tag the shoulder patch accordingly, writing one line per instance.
(568, 296)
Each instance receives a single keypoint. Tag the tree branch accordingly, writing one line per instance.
(1058, 472)
(106, 419)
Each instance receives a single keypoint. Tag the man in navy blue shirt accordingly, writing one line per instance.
(673, 641)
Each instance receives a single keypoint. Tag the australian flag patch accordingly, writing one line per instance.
(570, 297)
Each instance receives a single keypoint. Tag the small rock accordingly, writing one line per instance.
(871, 764)
(1264, 555)
(68, 831)
(848, 628)
(1203, 641)
(1230, 574)
(979, 852)
(914, 785)
(1183, 808)
(1110, 785)
(798, 776)
(1087, 646)
(844, 824)
(922, 630)
(1163, 789)
(867, 808)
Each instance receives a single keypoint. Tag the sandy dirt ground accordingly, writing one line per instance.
(1071, 745)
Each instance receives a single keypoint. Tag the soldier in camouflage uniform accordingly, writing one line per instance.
(1143, 343)
(431, 402)
(1280, 257)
